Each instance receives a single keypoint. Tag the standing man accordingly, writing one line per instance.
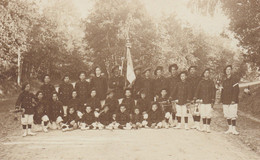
(138, 83)
(206, 92)
(229, 98)
(82, 88)
(172, 82)
(148, 84)
(193, 80)
(160, 81)
(99, 82)
(65, 93)
(116, 82)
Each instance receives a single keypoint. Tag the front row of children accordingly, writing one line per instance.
(92, 116)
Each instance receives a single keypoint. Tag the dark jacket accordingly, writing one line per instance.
(47, 90)
(56, 110)
(117, 83)
(100, 84)
(137, 118)
(88, 118)
(70, 118)
(230, 90)
(113, 104)
(193, 81)
(148, 88)
(206, 91)
(83, 91)
(129, 104)
(182, 92)
(94, 102)
(158, 85)
(172, 82)
(75, 103)
(143, 104)
(165, 104)
(27, 101)
(105, 118)
(155, 116)
(65, 91)
(122, 118)
(40, 111)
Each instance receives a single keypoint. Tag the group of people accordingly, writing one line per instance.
(159, 102)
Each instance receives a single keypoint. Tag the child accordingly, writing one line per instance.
(75, 103)
(70, 122)
(229, 99)
(128, 101)
(206, 92)
(137, 119)
(88, 119)
(181, 99)
(123, 118)
(26, 101)
(40, 116)
(47, 90)
(56, 112)
(82, 87)
(165, 106)
(117, 83)
(105, 117)
(64, 91)
(112, 102)
(143, 103)
(94, 101)
(155, 116)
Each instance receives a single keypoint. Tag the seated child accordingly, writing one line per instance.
(87, 119)
(75, 103)
(137, 119)
(166, 107)
(56, 112)
(40, 117)
(143, 102)
(105, 117)
(128, 101)
(123, 118)
(112, 102)
(94, 101)
(71, 120)
(26, 102)
(155, 116)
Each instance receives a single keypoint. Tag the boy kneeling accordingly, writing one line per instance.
(71, 120)
(123, 118)
(155, 116)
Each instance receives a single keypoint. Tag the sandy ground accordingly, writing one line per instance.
(152, 144)
(121, 144)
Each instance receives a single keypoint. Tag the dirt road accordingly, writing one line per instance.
(135, 144)
(150, 144)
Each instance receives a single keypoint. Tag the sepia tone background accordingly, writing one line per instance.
(66, 36)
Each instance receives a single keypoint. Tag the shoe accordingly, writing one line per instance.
(24, 134)
(204, 129)
(178, 126)
(208, 129)
(45, 129)
(193, 127)
(234, 131)
(198, 128)
(31, 133)
(229, 130)
(187, 127)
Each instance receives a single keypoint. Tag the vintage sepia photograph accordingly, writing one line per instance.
(129, 79)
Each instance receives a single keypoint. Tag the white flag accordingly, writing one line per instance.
(130, 74)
